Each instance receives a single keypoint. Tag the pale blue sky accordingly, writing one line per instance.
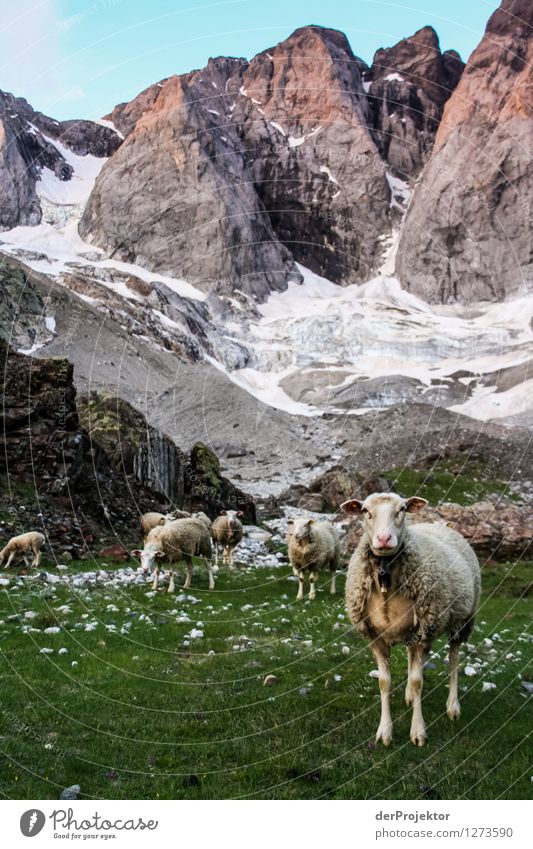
(77, 58)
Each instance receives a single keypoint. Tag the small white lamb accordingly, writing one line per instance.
(18, 547)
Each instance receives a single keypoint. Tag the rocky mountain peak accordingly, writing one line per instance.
(497, 85)
(468, 232)
(410, 83)
(418, 59)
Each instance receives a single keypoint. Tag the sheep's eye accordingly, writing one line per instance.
(366, 512)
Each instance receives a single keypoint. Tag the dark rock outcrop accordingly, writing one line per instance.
(408, 87)
(467, 235)
(44, 445)
(190, 481)
(99, 480)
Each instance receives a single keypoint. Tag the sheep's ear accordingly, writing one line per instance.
(240, 513)
(290, 521)
(160, 554)
(414, 504)
(310, 521)
(352, 507)
(136, 553)
(223, 512)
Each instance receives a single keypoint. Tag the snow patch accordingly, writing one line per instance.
(324, 170)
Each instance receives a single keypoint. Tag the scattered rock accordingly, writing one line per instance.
(71, 792)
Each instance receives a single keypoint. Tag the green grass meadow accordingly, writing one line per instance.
(135, 709)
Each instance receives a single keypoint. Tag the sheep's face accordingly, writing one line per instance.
(302, 530)
(232, 517)
(149, 556)
(383, 515)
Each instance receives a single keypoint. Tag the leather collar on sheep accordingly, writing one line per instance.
(384, 565)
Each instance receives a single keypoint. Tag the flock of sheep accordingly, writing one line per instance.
(405, 583)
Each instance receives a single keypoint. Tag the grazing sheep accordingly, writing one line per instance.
(173, 542)
(18, 547)
(202, 517)
(226, 532)
(312, 546)
(177, 514)
(410, 584)
(153, 520)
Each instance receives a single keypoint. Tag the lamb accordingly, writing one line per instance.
(410, 584)
(153, 520)
(312, 546)
(173, 542)
(227, 532)
(18, 547)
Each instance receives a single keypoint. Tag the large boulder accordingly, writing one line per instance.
(467, 235)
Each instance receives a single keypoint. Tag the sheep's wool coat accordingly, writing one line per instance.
(320, 550)
(436, 569)
(181, 539)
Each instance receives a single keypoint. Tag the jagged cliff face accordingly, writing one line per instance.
(305, 122)
(263, 163)
(177, 197)
(467, 236)
(408, 86)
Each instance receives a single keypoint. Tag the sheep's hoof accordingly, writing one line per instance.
(384, 734)
(454, 710)
(418, 738)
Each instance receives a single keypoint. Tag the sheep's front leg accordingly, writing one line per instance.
(36, 558)
(211, 577)
(188, 578)
(300, 595)
(231, 560)
(171, 585)
(452, 705)
(416, 680)
(312, 585)
(156, 577)
(381, 652)
(408, 691)
(333, 585)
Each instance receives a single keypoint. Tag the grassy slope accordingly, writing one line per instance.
(143, 716)
(456, 482)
